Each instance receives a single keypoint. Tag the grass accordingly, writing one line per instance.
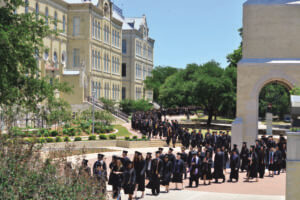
(122, 131)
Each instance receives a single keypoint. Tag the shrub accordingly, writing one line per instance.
(67, 126)
(58, 139)
(42, 140)
(49, 139)
(92, 137)
(28, 140)
(77, 139)
(16, 131)
(67, 139)
(72, 132)
(134, 137)
(85, 125)
(102, 137)
(65, 131)
(113, 136)
(54, 133)
(127, 138)
(144, 137)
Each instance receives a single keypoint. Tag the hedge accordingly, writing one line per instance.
(78, 139)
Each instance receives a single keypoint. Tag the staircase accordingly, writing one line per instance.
(115, 112)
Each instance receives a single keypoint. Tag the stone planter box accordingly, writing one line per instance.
(132, 144)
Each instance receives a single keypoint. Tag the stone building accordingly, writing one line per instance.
(87, 52)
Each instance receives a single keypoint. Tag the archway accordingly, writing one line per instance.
(274, 98)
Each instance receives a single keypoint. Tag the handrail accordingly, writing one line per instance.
(114, 111)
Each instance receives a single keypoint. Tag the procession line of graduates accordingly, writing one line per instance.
(198, 163)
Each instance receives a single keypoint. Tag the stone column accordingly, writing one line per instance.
(293, 166)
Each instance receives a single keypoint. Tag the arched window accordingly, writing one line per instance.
(46, 15)
(26, 6)
(99, 30)
(37, 11)
(64, 24)
(55, 20)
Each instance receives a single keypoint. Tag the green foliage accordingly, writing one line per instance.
(49, 139)
(101, 128)
(77, 139)
(54, 133)
(42, 140)
(122, 131)
(103, 137)
(278, 96)
(104, 116)
(112, 136)
(127, 138)
(58, 139)
(134, 137)
(25, 175)
(128, 106)
(158, 78)
(92, 137)
(108, 104)
(85, 125)
(67, 139)
(144, 137)
(65, 131)
(67, 126)
(295, 91)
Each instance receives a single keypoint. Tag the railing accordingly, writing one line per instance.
(114, 111)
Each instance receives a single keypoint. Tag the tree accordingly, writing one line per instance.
(210, 88)
(128, 106)
(237, 54)
(159, 76)
(21, 39)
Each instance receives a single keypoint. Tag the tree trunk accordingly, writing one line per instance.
(210, 116)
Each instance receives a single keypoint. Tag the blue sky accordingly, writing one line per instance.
(189, 31)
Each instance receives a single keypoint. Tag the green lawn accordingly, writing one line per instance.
(122, 131)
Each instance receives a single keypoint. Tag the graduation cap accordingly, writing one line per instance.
(138, 153)
(179, 154)
(157, 152)
(114, 157)
(160, 149)
(149, 153)
(125, 152)
(100, 156)
(171, 149)
(235, 145)
(245, 143)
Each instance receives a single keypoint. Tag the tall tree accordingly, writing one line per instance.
(159, 76)
(21, 40)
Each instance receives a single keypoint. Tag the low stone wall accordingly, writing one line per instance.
(133, 144)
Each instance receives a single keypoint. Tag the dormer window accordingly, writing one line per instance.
(106, 9)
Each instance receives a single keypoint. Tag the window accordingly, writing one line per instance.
(46, 15)
(46, 54)
(76, 26)
(124, 47)
(117, 66)
(144, 72)
(106, 90)
(98, 31)
(76, 57)
(99, 65)
(64, 24)
(144, 51)
(55, 20)
(118, 39)
(123, 93)
(123, 69)
(37, 11)
(93, 59)
(93, 29)
(26, 6)
(63, 57)
(138, 93)
(138, 71)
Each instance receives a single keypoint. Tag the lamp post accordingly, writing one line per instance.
(93, 99)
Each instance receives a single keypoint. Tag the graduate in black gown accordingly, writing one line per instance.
(271, 165)
(194, 169)
(125, 160)
(117, 171)
(140, 170)
(283, 151)
(184, 158)
(234, 166)
(129, 179)
(148, 165)
(172, 157)
(166, 173)
(156, 172)
(261, 162)
(277, 161)
(218, 165)
(111, 166)
(178, 171)
(244, 157)
(206, 168)
(253, 164)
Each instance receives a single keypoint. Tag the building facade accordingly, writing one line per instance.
(88, 53)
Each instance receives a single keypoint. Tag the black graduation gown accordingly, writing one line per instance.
(253, 165)
(218, 165)
(166, 173)
(244, 157)
(140, 169)
(278, 160)
(111, 175)
(129, 179)
(101, 164)
(178, 171)
(261, 163)
(125, 161)
(206, 168)
(156, 172)
(234, 166)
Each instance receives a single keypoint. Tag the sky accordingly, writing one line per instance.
(188, 31)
